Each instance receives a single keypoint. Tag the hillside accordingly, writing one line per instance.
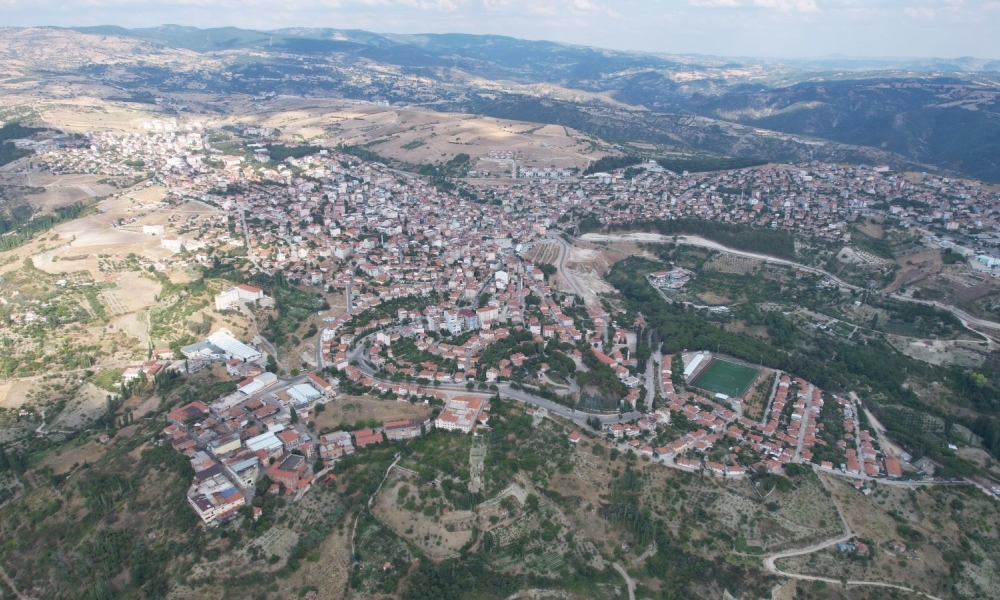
(937, 113)
(748, 108)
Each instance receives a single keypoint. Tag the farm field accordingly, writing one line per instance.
(726, 378)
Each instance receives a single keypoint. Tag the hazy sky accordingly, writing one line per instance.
(767, 28)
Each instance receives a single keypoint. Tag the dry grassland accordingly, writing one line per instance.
(713, 299)
(869, 516)
(350, 409)
(87, 404)
(966, 353)
(431, 534)
(14, 393)
(86, 449)
(54, 191)
(418, 135)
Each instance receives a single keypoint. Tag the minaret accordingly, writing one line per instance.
(349, 295)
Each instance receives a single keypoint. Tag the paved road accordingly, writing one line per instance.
(800, 442)
(561, 265)
(320, 363)
(651, 367)
(559, 409)
(967, 320)
(358, 354)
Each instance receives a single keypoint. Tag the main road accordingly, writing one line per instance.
(966, 319)
(504, 389)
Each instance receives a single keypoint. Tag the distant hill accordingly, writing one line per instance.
(922, 113)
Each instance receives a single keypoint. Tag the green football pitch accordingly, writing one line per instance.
(727, 378)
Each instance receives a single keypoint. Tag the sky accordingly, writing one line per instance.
(748, 28)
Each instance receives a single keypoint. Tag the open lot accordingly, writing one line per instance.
(726, 378)
(351, 409)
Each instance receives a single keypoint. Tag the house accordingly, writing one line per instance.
(574, 437)
(188, 412)
(215, 499)
(335, 445)
(688, 463)
(268, 443)
(290, 471)
(225, 444)
(172, 243)
(245, 469)
(324, 386)
(149, 369)
(403, 430)
(290, 439)
(366, 437)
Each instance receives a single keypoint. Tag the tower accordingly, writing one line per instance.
(349, 296)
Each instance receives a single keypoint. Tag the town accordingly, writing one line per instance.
(445, 308)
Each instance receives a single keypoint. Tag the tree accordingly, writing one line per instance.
(295, 415)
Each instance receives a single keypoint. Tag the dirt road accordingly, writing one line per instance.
(628, 580)
(10, 584)
(769, 561)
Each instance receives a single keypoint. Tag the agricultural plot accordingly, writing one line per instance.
(726, 378)
(732, 263)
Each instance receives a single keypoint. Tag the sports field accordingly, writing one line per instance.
(725, 377)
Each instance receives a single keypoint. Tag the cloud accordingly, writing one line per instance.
(788, 5)
(714, 3)
(439, 5)
(779, 5)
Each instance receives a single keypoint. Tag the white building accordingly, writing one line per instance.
(240, 294)
(460, 414)
(231, 347)
(453, 322)
(302, 394)
(268, 442)
(694, 364)
(216, 499)
(172, 243)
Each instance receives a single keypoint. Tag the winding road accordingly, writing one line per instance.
(561, 265)
(771, 567)
(966, 319)
(629, 582)
(359, 354)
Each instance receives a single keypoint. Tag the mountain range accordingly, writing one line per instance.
(931, 114)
